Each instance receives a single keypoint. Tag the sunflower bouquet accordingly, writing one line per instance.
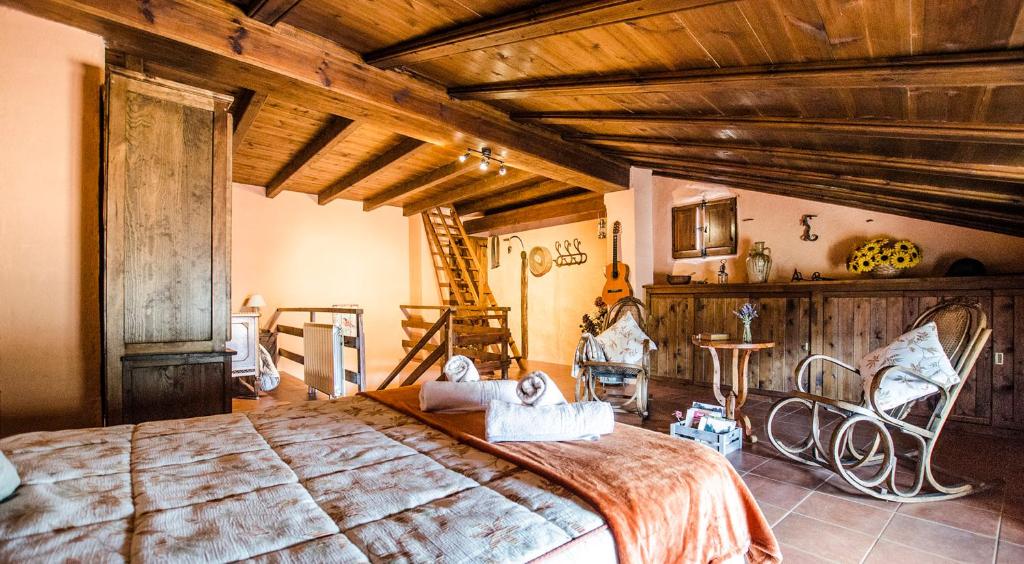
(884, 258)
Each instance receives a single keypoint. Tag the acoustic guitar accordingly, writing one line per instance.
(616, 274)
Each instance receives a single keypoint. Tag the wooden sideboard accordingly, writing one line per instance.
(845, 319)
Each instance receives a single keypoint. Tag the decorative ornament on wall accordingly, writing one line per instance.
(540, 261)
(806, 222)
(602, 228)
(883, 258)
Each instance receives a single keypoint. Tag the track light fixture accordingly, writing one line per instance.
(485, 159)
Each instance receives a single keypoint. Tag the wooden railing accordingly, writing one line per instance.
(357, 342)
(480, 333)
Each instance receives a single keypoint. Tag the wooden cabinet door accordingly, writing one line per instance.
(1007, 323)
(685, 243)
(670, 325)
(166, 223)
(720, 231)
(174, 387)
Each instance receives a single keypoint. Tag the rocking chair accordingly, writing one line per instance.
(600, 380)
(962, 331)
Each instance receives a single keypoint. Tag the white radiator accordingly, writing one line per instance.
(323, 357)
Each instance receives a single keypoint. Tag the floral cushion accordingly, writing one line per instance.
(624, 341)
(918, 350)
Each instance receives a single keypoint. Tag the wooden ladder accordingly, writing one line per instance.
(456, 266)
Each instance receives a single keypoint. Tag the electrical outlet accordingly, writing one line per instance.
(998, 359)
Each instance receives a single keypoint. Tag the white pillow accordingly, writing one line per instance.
(918, 349)
(624, 341)
(9, 480)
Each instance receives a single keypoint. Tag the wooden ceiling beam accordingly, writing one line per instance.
(514, 197)
(330, 136)
(999, 133)
(953, 215)
(545, 19)
(270, 11)
(433, 178)
(472, 190)
(815, 158)
(244, 111)
(999, 197)
(215, 38)
(548, 214)
(925, 71)
(404, 149)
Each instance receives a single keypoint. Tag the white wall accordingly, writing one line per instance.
(50, 80)
(297, 253)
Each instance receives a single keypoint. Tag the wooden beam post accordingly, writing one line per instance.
(557, 212)
(432, 178)
(545, 19)
(1002, 133)
(244, 110)
(511, 181)
(331, 135)
(924, 71)
(270, 11)
(215, 37)
(403, 149)
(512, 197)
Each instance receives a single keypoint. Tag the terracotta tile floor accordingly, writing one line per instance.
(817, 517)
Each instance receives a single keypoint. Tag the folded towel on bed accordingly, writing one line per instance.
(9, 480)
(461, 369)
(538, 389)
(564, 422)
(466, 396)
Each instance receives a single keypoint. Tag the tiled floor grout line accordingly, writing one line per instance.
(953, 526)
(878, 537)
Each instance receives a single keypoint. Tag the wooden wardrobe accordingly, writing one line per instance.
(166, 250)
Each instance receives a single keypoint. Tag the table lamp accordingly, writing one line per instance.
(256, 301)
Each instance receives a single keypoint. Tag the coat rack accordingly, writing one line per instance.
(569, 253)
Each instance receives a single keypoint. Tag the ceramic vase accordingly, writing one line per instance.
(759, 263)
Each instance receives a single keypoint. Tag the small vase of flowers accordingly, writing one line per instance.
(884, 258)
(746, 313)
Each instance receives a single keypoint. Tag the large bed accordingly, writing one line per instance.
(368, 478)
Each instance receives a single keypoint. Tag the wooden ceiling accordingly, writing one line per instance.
(913, 107)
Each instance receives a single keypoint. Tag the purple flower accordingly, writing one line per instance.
(746, 313)
(678, 415)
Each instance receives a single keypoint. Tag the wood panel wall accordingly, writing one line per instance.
(846, 320)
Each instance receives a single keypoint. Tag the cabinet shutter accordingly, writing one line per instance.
(720, 228)
(684, 232)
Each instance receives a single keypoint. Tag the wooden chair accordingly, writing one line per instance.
(602, 380)
(963, 331)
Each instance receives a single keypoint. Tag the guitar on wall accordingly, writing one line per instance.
(616, 274)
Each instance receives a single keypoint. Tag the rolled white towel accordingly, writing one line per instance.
(461, 369)
(565, 422)
(537, 389)
(465, 396)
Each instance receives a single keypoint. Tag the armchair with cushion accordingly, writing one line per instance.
(935, 357)
(607, 366)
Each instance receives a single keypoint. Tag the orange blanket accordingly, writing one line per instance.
(665, 499)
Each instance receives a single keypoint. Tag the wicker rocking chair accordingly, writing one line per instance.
(963, 331)
(610, 381)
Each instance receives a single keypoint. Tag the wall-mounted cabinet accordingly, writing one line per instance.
(844, 319)
(705, 229)
(166, 252)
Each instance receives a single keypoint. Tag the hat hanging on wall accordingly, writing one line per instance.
(540, 261)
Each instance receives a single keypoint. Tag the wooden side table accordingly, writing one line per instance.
(740, 368)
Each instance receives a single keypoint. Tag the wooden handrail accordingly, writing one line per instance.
(357, 342)
(409, 356)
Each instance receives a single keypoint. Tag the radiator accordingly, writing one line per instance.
(323, 364)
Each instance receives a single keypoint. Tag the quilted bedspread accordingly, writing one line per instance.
(349, 480)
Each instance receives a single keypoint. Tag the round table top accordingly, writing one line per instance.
(756, 345)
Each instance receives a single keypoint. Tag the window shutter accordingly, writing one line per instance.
(684, 232)
(720, 228)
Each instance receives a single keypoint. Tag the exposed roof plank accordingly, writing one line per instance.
(812, 157)
(926, 71)
(423, 181)
(1002, 133)
(476, 189)
(545, 19)
(953, 215)
(512, 197)
(999, 197)
(333, 134)
(244, 111)
(270, 11)
(403, 149)
(557, 212)
(217, 37)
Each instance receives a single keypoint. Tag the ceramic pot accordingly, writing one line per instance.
(759, 263)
